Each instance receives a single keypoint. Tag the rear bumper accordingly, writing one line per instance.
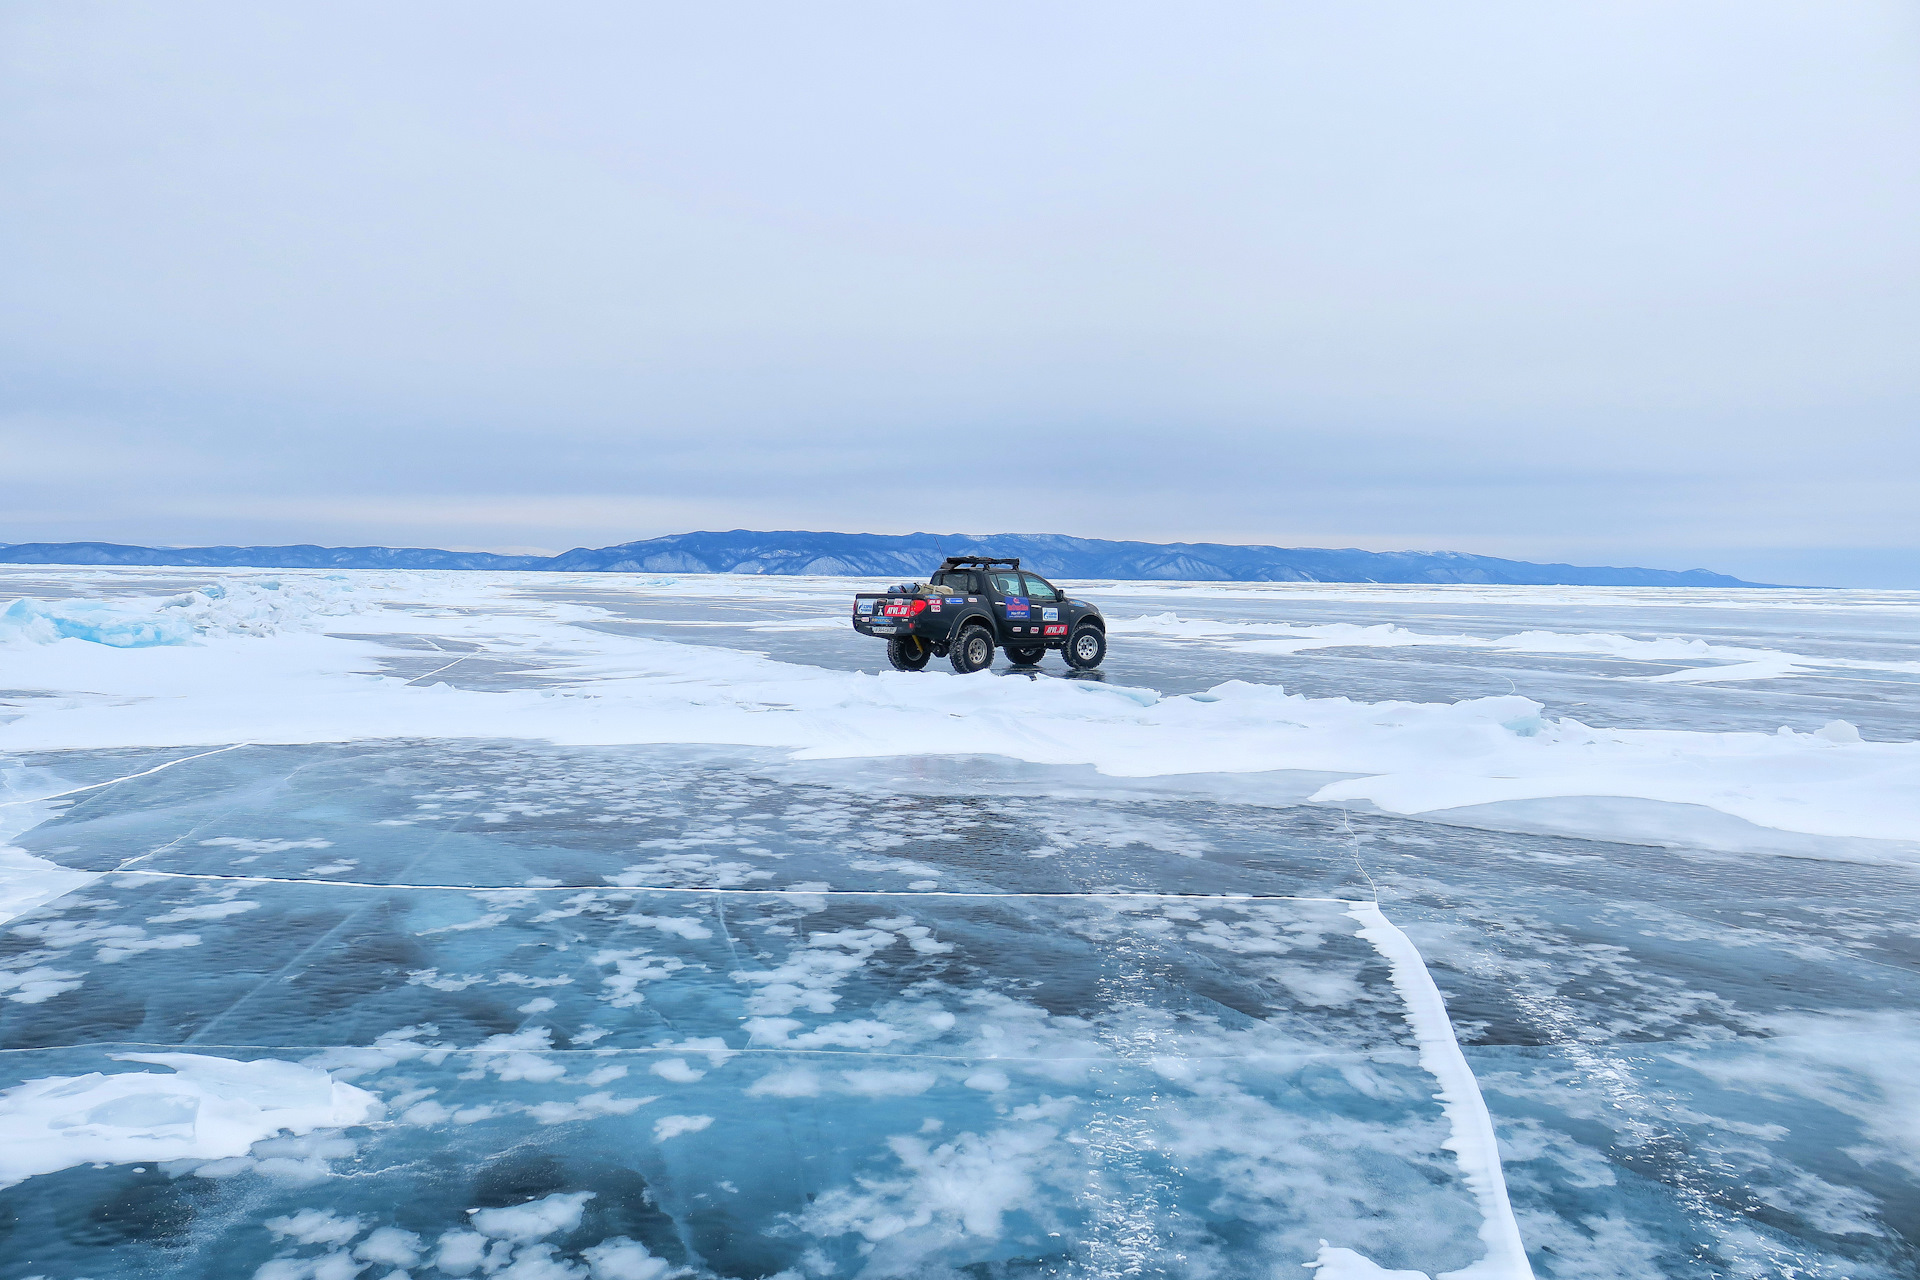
(887, 629)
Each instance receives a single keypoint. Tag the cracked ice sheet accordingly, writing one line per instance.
(770, 1162)
(1698, 1063)
(1530, 938)
(319, 964)
(1202, 1088)
(25, 880)
(519, 814)
(253, 667)
(1790, 1155)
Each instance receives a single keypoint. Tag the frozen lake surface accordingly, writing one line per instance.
(627, 926)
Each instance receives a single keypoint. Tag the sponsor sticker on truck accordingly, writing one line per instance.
(1058, 629)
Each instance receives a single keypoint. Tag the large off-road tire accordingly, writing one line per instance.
(1026, 657)
(908, 653)
(972, 649)
(1085, 648)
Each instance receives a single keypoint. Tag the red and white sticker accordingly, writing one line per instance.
(1059, 630)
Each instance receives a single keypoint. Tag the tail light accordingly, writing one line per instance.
(918, 606)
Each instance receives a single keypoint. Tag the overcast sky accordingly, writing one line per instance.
(1609, 283)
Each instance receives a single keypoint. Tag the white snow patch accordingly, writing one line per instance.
(523, 1223)
(316, 1226)
(673, 1126)
(888, 1084)
(1736, 662)
(676, 1070)
(679, 926)
(208, 1109)
(27, 882)
(1345, 1264)
(797, 1083)
(391, 1245)
(38, 984)
(203, 911)
(264, 846)
(622, 1259)
(961, 1187)
(459, 1252)
(587, 1107)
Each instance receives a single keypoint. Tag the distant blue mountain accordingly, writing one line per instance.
(300, 557)
(905, 556)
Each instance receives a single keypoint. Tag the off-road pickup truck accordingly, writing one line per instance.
(974, 604)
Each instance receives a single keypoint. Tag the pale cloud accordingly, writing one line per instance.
(1588, 282)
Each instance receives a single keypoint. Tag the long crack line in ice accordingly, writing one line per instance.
(1473, 1142)
(1354, 836)
(1648, 1137)
(680, 1050)
(437, 670)
(95, 786)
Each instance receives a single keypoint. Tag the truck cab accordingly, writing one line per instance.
(972, 605)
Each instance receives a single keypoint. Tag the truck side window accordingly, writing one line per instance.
(1037, 589)
(1008, 584)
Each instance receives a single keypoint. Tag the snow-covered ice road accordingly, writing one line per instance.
(467, 924)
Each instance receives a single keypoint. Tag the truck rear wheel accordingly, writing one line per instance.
(1085, 648)
(908, 653)
(972, 649)
(1026, 657)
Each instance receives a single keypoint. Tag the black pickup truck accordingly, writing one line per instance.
(973, 604)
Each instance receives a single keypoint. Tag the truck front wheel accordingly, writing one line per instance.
(908, 653)
(972, 650)
(1085, 648)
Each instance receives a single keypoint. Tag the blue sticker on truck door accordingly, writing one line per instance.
(1049, 615)
(1016, 606)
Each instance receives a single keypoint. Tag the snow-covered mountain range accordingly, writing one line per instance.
(907, 555)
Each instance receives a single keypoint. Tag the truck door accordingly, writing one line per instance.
(1048, 610)
(1011, 609)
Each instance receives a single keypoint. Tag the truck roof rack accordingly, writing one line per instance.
(983, 562)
